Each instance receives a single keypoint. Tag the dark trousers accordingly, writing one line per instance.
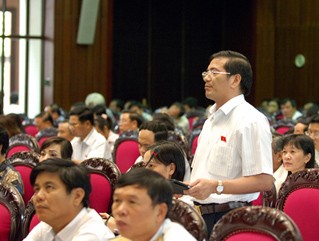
(211, 219)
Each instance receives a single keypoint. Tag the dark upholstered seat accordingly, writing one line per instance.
(266, 198)
(298, 197)
(30, 219)
(22, 142)
(11, 212)
(125, 152)
(104, 175)
(187, 216)
(23, 162)
(255, 223)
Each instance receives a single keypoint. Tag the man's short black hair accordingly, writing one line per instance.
(71, 174)
(83, 113)
(158, 188)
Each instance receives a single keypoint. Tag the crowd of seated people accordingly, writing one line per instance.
(90, 129)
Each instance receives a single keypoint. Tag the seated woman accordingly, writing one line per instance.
(166, 158)
(298, 153)
(56, 147)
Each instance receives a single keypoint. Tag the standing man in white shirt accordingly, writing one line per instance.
(61, 200)
(87, 142)
(233, 159)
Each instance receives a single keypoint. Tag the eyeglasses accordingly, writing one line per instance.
(312, 133)
(213, 73)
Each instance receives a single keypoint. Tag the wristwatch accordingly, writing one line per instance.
(220, 187)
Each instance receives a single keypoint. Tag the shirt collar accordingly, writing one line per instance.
(229, 105)
(88, 140)
(160, 232)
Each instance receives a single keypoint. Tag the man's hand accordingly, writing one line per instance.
(202, 188)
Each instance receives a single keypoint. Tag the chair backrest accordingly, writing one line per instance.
(266, 198)
(31, 130)
(104, 174)
(30, 219)
(45, 134)
(11, 213)
(22, 142)
(187, 216)
(255, 223)
(125, 152)
(23, 162)
(298, 197)
(283, 126)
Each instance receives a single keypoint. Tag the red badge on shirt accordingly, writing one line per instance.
(223, 138)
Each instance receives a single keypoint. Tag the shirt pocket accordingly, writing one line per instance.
(221, 157)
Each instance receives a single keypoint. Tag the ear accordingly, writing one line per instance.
(134, 124)
(161, 212)
(78, 195)
(88, 123)
(236, 79)
(172, 168)
(307, 158)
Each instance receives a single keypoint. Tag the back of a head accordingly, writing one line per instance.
(103, 120)
(190, 101)
(158, 188)
(289, 100)
(159, 129)
(71, 174)
(165, 119)
(94, 99)
(237, 64)
(65, 145)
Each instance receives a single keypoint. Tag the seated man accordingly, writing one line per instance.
(129, 121)
(141, 202)
(64, 130)
(61, 198)
(88, 142)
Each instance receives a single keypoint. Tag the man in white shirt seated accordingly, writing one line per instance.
(87, 142)
(141, 203)
(61, 200)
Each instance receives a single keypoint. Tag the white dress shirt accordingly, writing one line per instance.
(93, 145)
(280, 176)
(235, 141)
(86, 226)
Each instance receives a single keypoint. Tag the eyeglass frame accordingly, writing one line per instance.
(314, 133)
(213, 72)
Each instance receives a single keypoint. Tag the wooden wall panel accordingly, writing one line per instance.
(149, 59)
(265, 50)
(81, 69)
(285, 28)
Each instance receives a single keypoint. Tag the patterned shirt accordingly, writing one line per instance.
(8, 174)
